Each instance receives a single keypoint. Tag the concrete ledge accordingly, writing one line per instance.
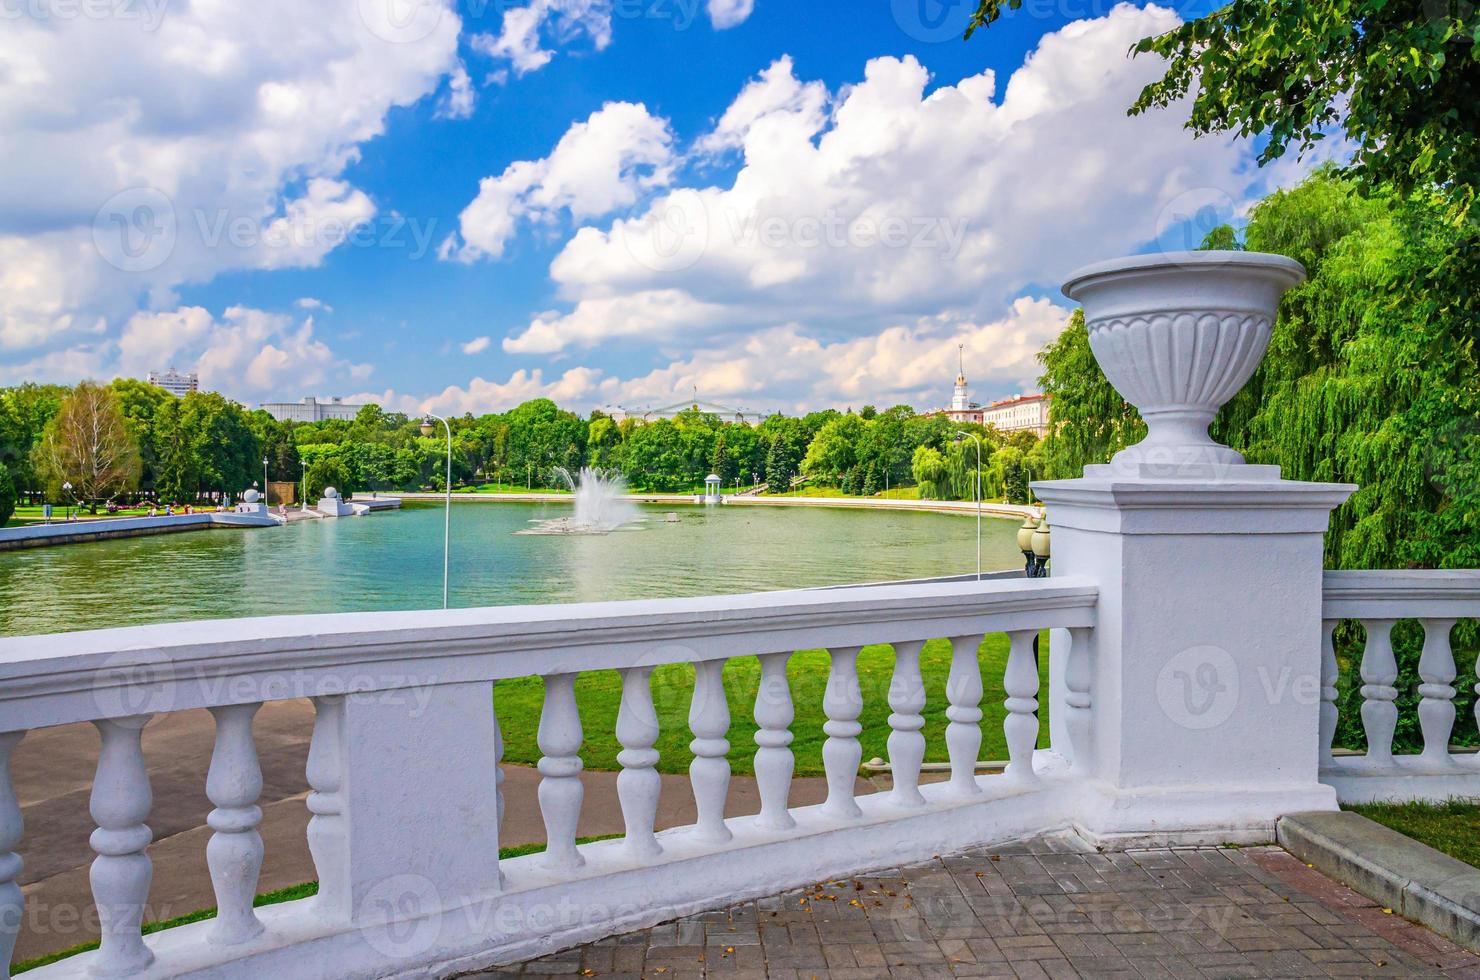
(79, 532)
(1414, 880)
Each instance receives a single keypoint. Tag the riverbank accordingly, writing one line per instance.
(989, 508)
(78, 532)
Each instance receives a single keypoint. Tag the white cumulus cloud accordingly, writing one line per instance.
(598, 166)
(725, 14)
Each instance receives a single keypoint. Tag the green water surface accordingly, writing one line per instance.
(393, 560)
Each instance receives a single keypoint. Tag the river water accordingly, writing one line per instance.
(393, 560)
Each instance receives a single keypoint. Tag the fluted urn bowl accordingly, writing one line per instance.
(1178, 334)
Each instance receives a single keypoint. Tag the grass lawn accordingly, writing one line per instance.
(508, 488)
(599, 694)
(34, 515)
(1452, 827)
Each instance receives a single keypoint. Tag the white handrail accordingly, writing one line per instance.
(59, 679)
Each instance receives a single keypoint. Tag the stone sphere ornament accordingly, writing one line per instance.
(1178, 334)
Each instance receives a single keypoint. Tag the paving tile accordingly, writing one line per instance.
(1046, 908)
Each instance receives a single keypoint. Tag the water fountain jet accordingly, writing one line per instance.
(600, 501)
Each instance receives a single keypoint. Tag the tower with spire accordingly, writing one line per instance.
(960, 400)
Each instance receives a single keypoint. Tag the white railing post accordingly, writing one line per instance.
(419, 799)
(774, 763)
(1078, 702)
(638, 784)
(906, 739)
(841, 753)
(1436, 668)
(1204, 658)
(1330, 673)
(121, 872)
(1020, 727)
(560, 790)
(12, 826)
(328, 835)
(964, 733)
(709, 773)
(234, 852)
(1379, 674)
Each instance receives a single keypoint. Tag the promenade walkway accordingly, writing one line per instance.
(1045, 908)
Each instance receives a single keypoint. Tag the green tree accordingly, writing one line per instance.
(780, 465)
(327, 472)
(88, 447)
(7, 496)
(140, 403)
(929, 470)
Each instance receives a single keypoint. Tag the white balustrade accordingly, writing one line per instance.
(121, 872)
(1020, 727)
(385, 873)
(1436, 712)
(774, 763)
(906, 724)
(841, 753)
(964, 733)
(560, 790)
(709, 773)
(638, 784)
(328, 833)
(1078, 700)
(1438, 599)
(12, 903)
(234, 853)
(1330, 673)
(1379, 674)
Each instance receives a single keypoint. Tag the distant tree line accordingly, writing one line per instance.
(128, 440)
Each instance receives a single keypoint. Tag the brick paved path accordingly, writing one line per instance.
(1046, 908)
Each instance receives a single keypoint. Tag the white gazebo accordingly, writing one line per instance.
(711, 489)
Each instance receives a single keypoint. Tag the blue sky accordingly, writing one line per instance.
(786, 205)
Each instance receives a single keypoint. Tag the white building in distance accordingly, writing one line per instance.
(1019, 413)
(311, 410)
(174, 382)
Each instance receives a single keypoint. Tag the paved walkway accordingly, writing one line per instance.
(1047, 908)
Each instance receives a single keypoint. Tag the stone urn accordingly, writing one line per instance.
(1178, 334)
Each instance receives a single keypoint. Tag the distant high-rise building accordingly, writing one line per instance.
(174, 382)
(311, 410)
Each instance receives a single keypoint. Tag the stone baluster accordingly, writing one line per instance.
(773, 759)
(1379, 674)
(964, 733)
(638, 784)
(121, 872)
(709, 773)
(1330, 672)
(328, 831)
(1437, 670)
(1020, 727)
(906, 739)
(561, 791)
(12, 903)
(1078, 702)
(841, 753)
(234, 853)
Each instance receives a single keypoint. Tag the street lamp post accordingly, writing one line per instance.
(264, 479)
(427, 428)
(978, 484)
(67, 489)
